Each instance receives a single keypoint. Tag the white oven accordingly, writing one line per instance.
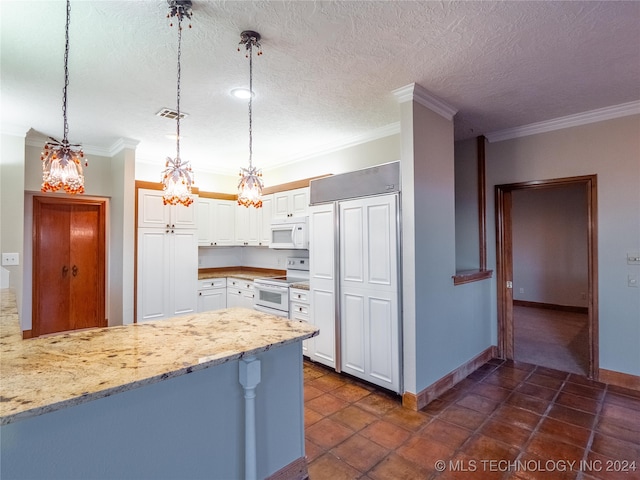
(271, 296)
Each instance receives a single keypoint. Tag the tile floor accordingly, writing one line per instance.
(507, 420)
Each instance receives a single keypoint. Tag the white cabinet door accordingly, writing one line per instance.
(369, 322)
(184, 272)
(224, 223)
(213, 299)
(153, 213)
(153, 274)
(234, 297)
(264, 237)
(322, 282)
(247, 225)
(205, 222)
(291, 203)
(167, 273)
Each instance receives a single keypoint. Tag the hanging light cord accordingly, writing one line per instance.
(66, 75)
(250, 45)
(178, 89)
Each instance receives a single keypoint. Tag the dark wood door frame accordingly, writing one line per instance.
(504, 262)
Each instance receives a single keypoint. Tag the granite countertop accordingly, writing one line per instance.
(45, 374)
(300, 285)
(245, 273)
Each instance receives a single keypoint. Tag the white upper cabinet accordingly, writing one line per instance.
(291, 203)
(267, 216)
(152, 212)
(216, 222)
(253, 225)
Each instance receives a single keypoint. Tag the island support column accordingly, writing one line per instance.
(249, 379)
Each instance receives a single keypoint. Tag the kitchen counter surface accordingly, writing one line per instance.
(45, 374)
(245, 273)
(300, 285)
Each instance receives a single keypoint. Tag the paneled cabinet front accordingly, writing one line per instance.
(253, 225)
(153, 213)
(239, 293)
(216, 222)
(291, 203)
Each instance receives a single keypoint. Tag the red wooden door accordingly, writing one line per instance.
(69, 264)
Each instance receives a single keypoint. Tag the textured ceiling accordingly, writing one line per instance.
(326, 75)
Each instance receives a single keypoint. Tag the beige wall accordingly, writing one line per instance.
(610, 150)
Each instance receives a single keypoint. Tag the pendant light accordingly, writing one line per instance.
(177, 177)
(62, 161)
(250, 185)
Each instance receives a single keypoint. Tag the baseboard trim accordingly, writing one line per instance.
(551, 306)
(619, 379)
(296, 470)
(418, 401)
(26, 334)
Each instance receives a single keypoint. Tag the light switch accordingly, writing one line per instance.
(10, 259)
(633, 258)
(632, 281)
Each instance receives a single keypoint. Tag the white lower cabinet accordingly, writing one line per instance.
(212, 294)
(299, 310)
(167, 273)
(240, 293)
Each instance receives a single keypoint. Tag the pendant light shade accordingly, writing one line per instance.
(250, 184)
(177, 177)
(62, 161)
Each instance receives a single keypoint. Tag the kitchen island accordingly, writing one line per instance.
(162, 399)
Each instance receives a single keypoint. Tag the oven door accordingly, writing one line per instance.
(272, 296)
(272, 311)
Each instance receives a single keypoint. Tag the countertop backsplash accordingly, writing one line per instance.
(257, 257)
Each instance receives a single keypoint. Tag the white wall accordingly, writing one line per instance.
(610, 150)
(550, 256)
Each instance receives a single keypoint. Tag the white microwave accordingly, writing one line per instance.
(290, 233)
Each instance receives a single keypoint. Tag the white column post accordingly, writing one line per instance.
(249, 376)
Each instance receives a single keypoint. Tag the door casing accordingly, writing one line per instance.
(504, 262)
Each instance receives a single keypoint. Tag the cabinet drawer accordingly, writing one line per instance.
(238, 283)
(212, 283)
(300, 309)
(299, 296)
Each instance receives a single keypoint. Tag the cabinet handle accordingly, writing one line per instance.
(166, 231)
(200, 293)
(65, 269)
(167, 225)
(173, 226)
(74, 270)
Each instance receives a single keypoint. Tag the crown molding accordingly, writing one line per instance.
(37, 139)
(14, 130)
(425, 98)
(121, 144)
(599, 115)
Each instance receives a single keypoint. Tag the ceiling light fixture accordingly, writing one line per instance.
(62, 161)
(250, 185)
(242, 93)
(177, 176)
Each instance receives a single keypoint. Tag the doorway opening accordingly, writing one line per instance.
(547, 273)
(68, 280)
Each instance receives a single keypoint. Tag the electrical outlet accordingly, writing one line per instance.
(10, 259)
(632, 281)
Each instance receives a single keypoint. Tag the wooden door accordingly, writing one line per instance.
(68, 264)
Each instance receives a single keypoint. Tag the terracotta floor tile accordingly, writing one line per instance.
(482, 447)
(545, 381)
(445, 433)
(565, 432)
(326, 404)
(572, 416)
(509, 371)
(580, 380)
(615, 398)
(551, 372)
(517, 416)
(436, 406)
(527, 367)
(615, 448)
(502, 381)
(328, 433)
(601, 467)
(537, 391)
(624, 391)
(478, 403)
(621, 415)
(379, 403)
(533, 467)
(360, 453)
(552, 449)
(469, 419)
(312, 451)
(424, 452)
(583, 390)
(585, 404)
(463, 467)
(386, 434)
(506, 432)
(311, 392)
(312, 372)
(354, 417)
(408, 419)
(493, 392)
(350, 392)
(327, 382)
(329, 467)
(394, 467)
(626, 431)
(311, 417)
(527, 402)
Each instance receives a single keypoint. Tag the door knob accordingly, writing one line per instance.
(74, 270)
(65, 269)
